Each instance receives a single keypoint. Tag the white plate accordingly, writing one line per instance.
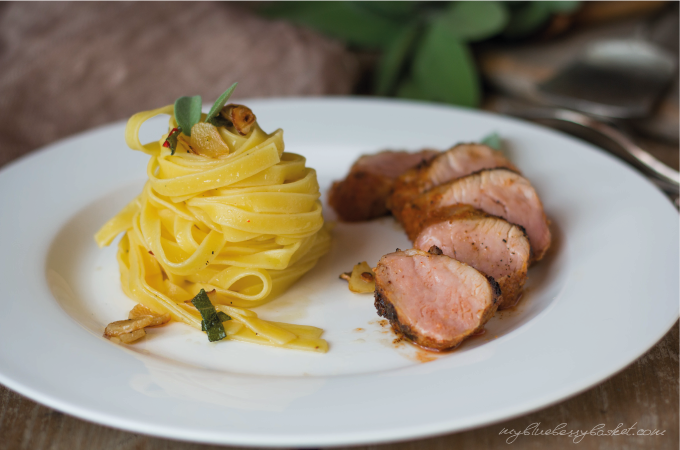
(607, 292)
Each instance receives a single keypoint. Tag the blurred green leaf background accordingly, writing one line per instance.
(424, 47)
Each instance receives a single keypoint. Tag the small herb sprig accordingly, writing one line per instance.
(188, 114)
(212, 320)
(492, 140)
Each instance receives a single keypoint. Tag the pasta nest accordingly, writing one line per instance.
(244, 227)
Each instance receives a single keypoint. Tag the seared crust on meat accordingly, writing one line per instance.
(386, 309)
(363, 194)
(433, 300)
(459, 161)
(496, 288)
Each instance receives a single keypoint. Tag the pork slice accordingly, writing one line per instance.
(488, 243)
(363, 194)
(433, 300)
(458, 161)
(499, 192)
(392, 163)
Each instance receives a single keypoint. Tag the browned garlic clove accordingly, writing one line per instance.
(127, 326)
(241, 116)
(206, 141)
(129, 338)
(142, 311)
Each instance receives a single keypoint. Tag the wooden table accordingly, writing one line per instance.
(644, 395)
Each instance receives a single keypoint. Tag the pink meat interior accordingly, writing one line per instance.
(490, 245)
(437, 297)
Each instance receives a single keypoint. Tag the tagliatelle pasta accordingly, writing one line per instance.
(243, 226)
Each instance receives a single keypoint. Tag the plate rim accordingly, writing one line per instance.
(340, 439)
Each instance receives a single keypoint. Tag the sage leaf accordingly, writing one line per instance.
(188, 112)
(563, 6)
(393, 60)
(220, 315)
(211, 324)
(492, 140)
(394, 8)
(409, 89)
(219, 103)
(475, 21)
(219, 121)
(347, 21)
(527, 18)
(444, 69)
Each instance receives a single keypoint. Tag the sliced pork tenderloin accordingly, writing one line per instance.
(363, 194)
(433, 300)
(499, 192)
(488, 243)
(459, 161)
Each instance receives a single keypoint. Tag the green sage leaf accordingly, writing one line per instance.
(563, 6)
(444, 69)
(526, 20)
(347, 21)
(219, 121)
(475, 21)
(493, 140)
(188, 112)
(220, 315)
(211, 324)
(219, 103)
(400, 10)
(409, 89)
(393, 60)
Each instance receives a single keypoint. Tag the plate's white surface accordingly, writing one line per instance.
(606, 293)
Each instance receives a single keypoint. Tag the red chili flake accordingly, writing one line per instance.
(151, 253)
(248, 220)
(171, 140)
